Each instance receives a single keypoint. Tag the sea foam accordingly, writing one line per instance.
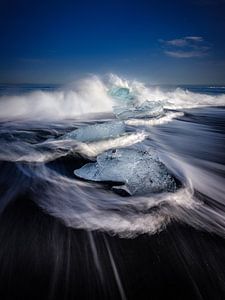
(94, 95)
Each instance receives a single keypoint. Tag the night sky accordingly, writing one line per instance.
(171, 42)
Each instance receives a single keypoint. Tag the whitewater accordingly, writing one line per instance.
(98, 124)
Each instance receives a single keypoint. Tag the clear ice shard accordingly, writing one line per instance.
(121, 93)
(97, 132)
(141, 172)
(146, 109)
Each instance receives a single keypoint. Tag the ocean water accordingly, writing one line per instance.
(179, 233)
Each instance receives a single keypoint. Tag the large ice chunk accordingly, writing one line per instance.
(97, 132)
(140, 171)
(146, 109)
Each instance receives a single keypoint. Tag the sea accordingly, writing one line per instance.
(64, 236)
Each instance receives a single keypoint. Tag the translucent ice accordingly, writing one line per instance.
(140, 171)
(97, 132)
(121, 93)
(146, 109)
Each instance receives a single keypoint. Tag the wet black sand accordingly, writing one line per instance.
(42, 259)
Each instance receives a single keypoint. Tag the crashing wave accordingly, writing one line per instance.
(130, 106)
(94, 95)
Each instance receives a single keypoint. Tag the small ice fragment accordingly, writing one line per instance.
(146, 109)
(97, 132)
(140, 171)
(121, 93)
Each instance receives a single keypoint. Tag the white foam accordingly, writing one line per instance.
(153, 122)
(84, 205)
(175, 99)
(91, 150)
(90, 95)
(85, 97)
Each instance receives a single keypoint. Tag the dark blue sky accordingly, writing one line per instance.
(156, 41)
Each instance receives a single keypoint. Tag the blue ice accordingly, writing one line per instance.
(97, 132)
(141, 172)
(146, 109)
(121, 93)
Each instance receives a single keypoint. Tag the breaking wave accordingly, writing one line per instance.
(91, 95)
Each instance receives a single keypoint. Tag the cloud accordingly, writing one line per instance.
(177, 42)
(186, 47)
(185, 54)
(195, 38)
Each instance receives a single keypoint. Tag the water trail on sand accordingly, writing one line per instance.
(115, 271)
(189, 142)
(84, 205)
(199, 202)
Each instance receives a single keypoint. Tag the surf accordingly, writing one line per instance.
(92, 95)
